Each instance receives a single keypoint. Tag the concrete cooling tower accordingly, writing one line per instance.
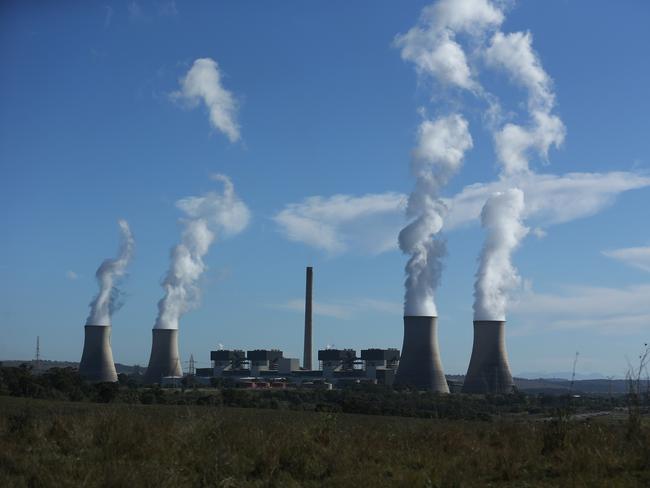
(489, 371)
(164, 359)
(420, 365)
(97, 357)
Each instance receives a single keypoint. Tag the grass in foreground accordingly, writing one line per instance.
(44, 443)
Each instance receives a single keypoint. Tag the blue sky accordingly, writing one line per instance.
(326, 105)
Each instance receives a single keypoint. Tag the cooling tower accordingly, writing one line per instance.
(420, 365)
(306, 362)
(164, 359)
(489, 371)
(97, 357)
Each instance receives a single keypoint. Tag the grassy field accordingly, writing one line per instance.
(46, 443)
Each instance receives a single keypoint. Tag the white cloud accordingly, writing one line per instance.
(344, 310)
(369, 223)
(71, 275)
(550, 199)
(601, 309)
(638, 257)
(203, 83)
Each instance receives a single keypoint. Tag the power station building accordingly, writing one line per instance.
(337, 367)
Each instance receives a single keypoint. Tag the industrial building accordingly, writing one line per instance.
(419, 365)
(338, 367)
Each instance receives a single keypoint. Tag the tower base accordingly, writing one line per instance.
(420, 365)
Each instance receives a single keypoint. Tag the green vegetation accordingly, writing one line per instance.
(65, 384)
(46, 443)
(70, 433)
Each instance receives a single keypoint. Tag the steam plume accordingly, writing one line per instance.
(438, 156)
(514, 54)
(496, 276)
(106, 302)
(203, 83)
(206, 216)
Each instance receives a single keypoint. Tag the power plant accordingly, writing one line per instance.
(97, 358)
(420, 366)
(489, 371)
(164, 360)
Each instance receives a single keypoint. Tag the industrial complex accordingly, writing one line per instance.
(418, 366)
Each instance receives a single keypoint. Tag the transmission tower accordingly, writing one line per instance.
(191, 369)
(37, 361)
(573, 374)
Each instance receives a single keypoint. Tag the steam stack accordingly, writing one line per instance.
(306, 363)
(489, 371)
(420, 365)
(97, 357)
(164, 359)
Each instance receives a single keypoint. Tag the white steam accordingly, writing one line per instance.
(107, 300)
(514, 54)
(438, 156)
(496, 276)
(432, 46)
(207, 215)
(203, 83)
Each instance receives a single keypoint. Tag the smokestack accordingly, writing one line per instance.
(306, 363)
(164, 360)
(420, 365)
(489, 371)
(97, 357)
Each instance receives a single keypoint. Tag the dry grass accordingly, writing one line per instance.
(46, 444)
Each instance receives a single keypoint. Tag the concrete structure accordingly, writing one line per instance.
(336, 361)
(420, 365)
(489, 371)
(263, 360)
(306, 362)
(97, 357)
(164, 360)
(287, 366)
(380, 364)
(227, 360)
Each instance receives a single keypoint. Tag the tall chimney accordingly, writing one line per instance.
(306, 362)
(420, 365)
(489, 371)
(164, 359)
(97, 358)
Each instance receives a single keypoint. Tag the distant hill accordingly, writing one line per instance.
(559, 386)
(563, 375)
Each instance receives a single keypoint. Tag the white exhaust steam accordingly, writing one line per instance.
(496, 276)
(107, 300)
(438, 156)
(207, 215)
